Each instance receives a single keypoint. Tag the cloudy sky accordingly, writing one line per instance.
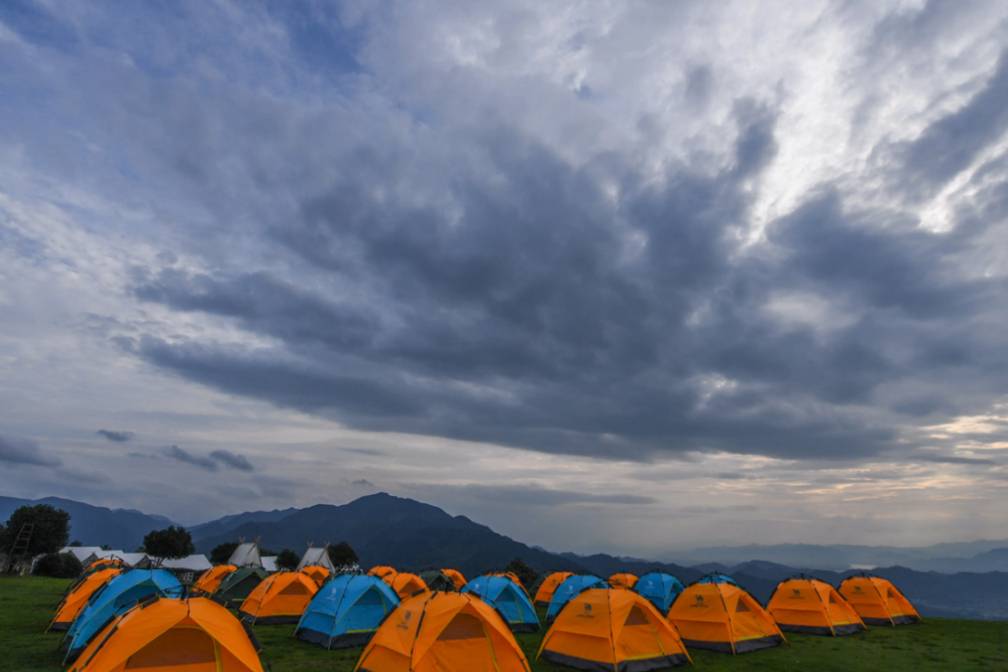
(618, 276)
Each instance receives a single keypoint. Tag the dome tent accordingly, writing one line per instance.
(443, 632)
(508, 599)
(406, 585)
(75, 600)
(114, 598)
(279, 598)
(383, 572)
(316, 573)
(346, 611)
(437, 579)
(549, 584)
(195, 635)
(236, 586)
(807, 605)
(569, 588)
(878, 601)
(660, 589)
(456, 576)
(716, 613)
(210, 580)
(623, 580)
(612, 629)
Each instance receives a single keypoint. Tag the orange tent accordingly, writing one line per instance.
(79, 595)
(104, 563)
(808, 605)
(318, 573)
(512, 576)
(549, 586)
(623, 580)
(612, 629)
(194, 635)
(279, 598)
(210, 580)
(456, 577)
(878, 601)
(721, 616)
(406, 584)
(443, 632)
(383, 572)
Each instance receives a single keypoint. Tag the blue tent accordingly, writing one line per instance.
(660, 589)
(718, 578)
(508, 599)
(346, 611)
(571, 588)
(114, 598)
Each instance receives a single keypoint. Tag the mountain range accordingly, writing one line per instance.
(408, 534)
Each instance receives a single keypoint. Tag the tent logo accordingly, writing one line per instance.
(404, 623)
(699, 601)
(857, 589)
(795, 593)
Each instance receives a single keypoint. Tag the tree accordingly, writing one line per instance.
(76, 543)
(50, 533)
(526, 574)
(171, 542)
(342, 555)
(287, 559)
(222, 552)
(58, 565)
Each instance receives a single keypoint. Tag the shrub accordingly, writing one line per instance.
(287, 559)
(59, 565)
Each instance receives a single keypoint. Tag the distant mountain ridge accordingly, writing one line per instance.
(408, 534)
(95, 525)
(227, 523)
(982, 555)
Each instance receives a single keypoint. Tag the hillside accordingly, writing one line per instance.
(95, 525)
(391, 530)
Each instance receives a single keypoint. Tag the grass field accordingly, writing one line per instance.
(26, 605)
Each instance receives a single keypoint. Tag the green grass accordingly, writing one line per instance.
(26, 605)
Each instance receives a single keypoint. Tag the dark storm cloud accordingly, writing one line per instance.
(114, 435)
(882, 260)
(211, 462)
(535, 321)
(184, 456)
(232, 460)
(14, 450)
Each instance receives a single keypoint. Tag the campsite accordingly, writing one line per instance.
(936, 644)
(316, 614)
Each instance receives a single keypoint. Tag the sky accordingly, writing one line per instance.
(606, 276)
